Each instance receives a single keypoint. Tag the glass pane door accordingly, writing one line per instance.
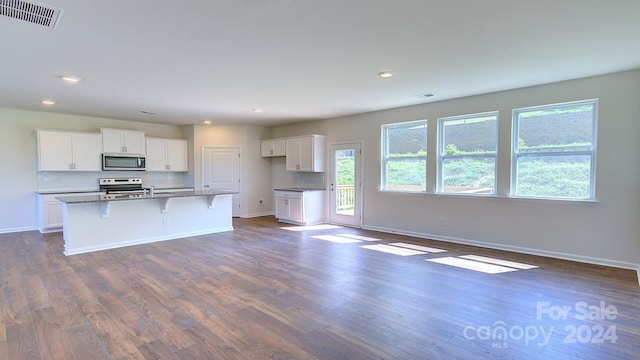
(345, 185)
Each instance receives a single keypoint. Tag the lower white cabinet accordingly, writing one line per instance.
(50, 210)
(300, 207)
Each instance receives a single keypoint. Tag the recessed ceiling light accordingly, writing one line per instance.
(48, 102)
(70, 79)
(258, 110)
(207, 122)
(385, 74)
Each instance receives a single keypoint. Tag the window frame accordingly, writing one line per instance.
(384, 154)
(516, 154)
(441, 156)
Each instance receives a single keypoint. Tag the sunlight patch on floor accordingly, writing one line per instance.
(472, 265)
(499, 262)
(418, 247)
(360, 237)
(336, 239)
(311, 227)
(393, 250)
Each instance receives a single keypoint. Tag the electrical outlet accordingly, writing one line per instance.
(442, 221)
(165, 221)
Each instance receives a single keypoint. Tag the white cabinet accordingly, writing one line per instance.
(50, 210)
(122, 141)
(69, 151)
(305, 153)
(167, 154)
(272, 148)
(300, 207)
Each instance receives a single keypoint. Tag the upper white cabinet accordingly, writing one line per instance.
(69, 151)
(122, 141)
(305, 153)
(272, 148)
(167, 154)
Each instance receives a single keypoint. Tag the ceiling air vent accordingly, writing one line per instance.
(31, 11)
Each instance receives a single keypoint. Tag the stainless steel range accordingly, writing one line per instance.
(122, 188)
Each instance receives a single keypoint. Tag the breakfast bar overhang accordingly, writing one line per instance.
(100, 222)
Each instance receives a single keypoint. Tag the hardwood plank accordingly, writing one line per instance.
(53, 344)
(262, 291)
(36, 292)
(84, 342)
(16, 306)
(159, 314)
(157, 350)
(22, 342)
(112, 339)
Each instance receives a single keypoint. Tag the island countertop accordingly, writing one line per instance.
(140, 196)
(297, 189)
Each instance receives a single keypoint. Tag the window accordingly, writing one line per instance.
(404, 156)
(467, 154)
(554, 150)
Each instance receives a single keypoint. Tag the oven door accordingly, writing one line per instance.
(123, 162)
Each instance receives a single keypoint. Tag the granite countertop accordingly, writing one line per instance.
(298, 189)
(125, 197)
(50, 192)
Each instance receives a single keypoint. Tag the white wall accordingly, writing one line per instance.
(19, 180)
(606, 232)
(255, 171)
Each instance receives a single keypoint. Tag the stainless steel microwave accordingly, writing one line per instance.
(123, 162)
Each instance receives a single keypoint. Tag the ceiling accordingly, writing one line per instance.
(298, 60)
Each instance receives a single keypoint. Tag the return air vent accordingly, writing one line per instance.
(30, 11)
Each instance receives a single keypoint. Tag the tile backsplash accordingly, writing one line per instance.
(81, 181)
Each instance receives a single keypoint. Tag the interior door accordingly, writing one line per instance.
(221, 171)
(345, 184)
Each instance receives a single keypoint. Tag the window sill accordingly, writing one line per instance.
(496, 197)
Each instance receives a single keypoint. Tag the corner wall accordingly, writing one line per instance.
(18, 183)
(605, 232)
(255, 171)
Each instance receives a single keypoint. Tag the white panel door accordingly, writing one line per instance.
(221, 171)
(345, 184)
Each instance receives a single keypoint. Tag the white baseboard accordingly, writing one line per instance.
(87, 249)
(252, 215)
(18, 229)
(516, 249)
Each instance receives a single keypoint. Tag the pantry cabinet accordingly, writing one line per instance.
(123, 141)
(273, 148)
(69, 151)
(167, 155)
(305, 153)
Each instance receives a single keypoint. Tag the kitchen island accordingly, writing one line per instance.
(100, 222)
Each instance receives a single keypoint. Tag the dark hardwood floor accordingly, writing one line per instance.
(263, 292)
